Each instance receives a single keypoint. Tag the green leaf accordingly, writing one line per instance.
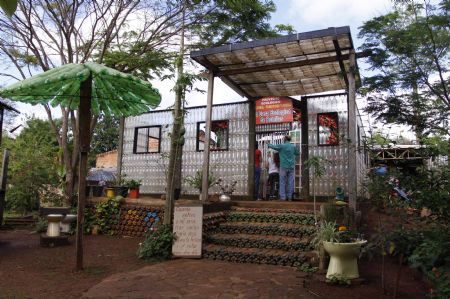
(9, 6)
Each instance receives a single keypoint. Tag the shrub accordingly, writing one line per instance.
(157, 244)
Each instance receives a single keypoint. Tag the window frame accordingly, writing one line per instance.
(197, 135)
(136, 129)
(336, 117)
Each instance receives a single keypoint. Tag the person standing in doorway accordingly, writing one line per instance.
(287, 152)
(257, 171)
(273, 164)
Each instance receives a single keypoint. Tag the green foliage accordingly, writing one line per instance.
(133, 184)
(317, 163)
(288, 259)
(260, 243)
(229, 21)
(426, 248)
(410, 59)
(378, 188)
(339, 280)
(307, 268)
(104, 214)
(274, 218)
(41, 225)
(9, 6)
(277, 230)
(196, 180)
(326, 231)
(32, 165)
(157, 244)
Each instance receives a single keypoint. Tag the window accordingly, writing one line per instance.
(147, 140)
(328, 128)
(218, 136)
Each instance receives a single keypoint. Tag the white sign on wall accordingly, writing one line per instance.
(187, 226)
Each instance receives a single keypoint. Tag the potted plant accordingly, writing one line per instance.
(120, 186)
(226, 190)
(133, 186)
(343, 246)
(196, 180)
(110, 189)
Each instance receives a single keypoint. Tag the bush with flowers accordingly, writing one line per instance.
(157, 245)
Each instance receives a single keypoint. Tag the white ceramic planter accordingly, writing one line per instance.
(54, 220)
(343, 258)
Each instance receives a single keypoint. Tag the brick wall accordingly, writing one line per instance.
(108, 159)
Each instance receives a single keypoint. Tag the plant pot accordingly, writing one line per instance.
(343, 259)
(134, 193)
(122, 191)
(110, 192)
(224, 198)
(97, 191)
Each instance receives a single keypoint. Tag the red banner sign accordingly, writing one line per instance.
(270, 110)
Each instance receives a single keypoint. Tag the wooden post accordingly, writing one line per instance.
(3, 178)
(251, 146)
(206, 150)
(304, 148)
(120, 146)
(2, 115)
(352, 131)
(84, 120)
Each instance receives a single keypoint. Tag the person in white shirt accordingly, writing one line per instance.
(273, 164)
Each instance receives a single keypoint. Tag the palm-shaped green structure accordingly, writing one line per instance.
(89, 88)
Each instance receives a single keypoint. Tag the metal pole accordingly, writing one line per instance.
(84, 120)
(205, 170)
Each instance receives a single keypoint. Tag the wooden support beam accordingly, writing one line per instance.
(304, 148)
(352, 134)
(120, 146)
(251, 146)
(3, 178)
(341, 61)
(279, 66)
(84, 120)
(206, 150)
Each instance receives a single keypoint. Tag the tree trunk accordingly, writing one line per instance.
(176, 139)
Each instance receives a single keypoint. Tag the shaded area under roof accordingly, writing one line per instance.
(296, 64)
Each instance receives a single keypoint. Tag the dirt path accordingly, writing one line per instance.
(113, 271)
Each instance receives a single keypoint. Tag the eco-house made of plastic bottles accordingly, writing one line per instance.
(146, 144)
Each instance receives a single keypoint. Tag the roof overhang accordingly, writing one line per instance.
(296, 64)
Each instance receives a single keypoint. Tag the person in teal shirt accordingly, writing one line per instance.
(287, 152)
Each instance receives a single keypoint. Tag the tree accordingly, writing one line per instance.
(410, 57)
(136, 37)
(33, 165)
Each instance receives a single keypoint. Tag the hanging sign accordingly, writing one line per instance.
(271, 110)
(187, 226)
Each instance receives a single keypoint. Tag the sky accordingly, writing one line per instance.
(303, 15)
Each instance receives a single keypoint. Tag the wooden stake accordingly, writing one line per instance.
(84, 120)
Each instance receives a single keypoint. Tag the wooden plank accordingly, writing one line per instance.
(84, 120)
(276, 66)
(304, 148)
(3, 179)
(251, 147)
(120, 146)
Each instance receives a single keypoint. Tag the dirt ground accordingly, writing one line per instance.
(30, 271)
